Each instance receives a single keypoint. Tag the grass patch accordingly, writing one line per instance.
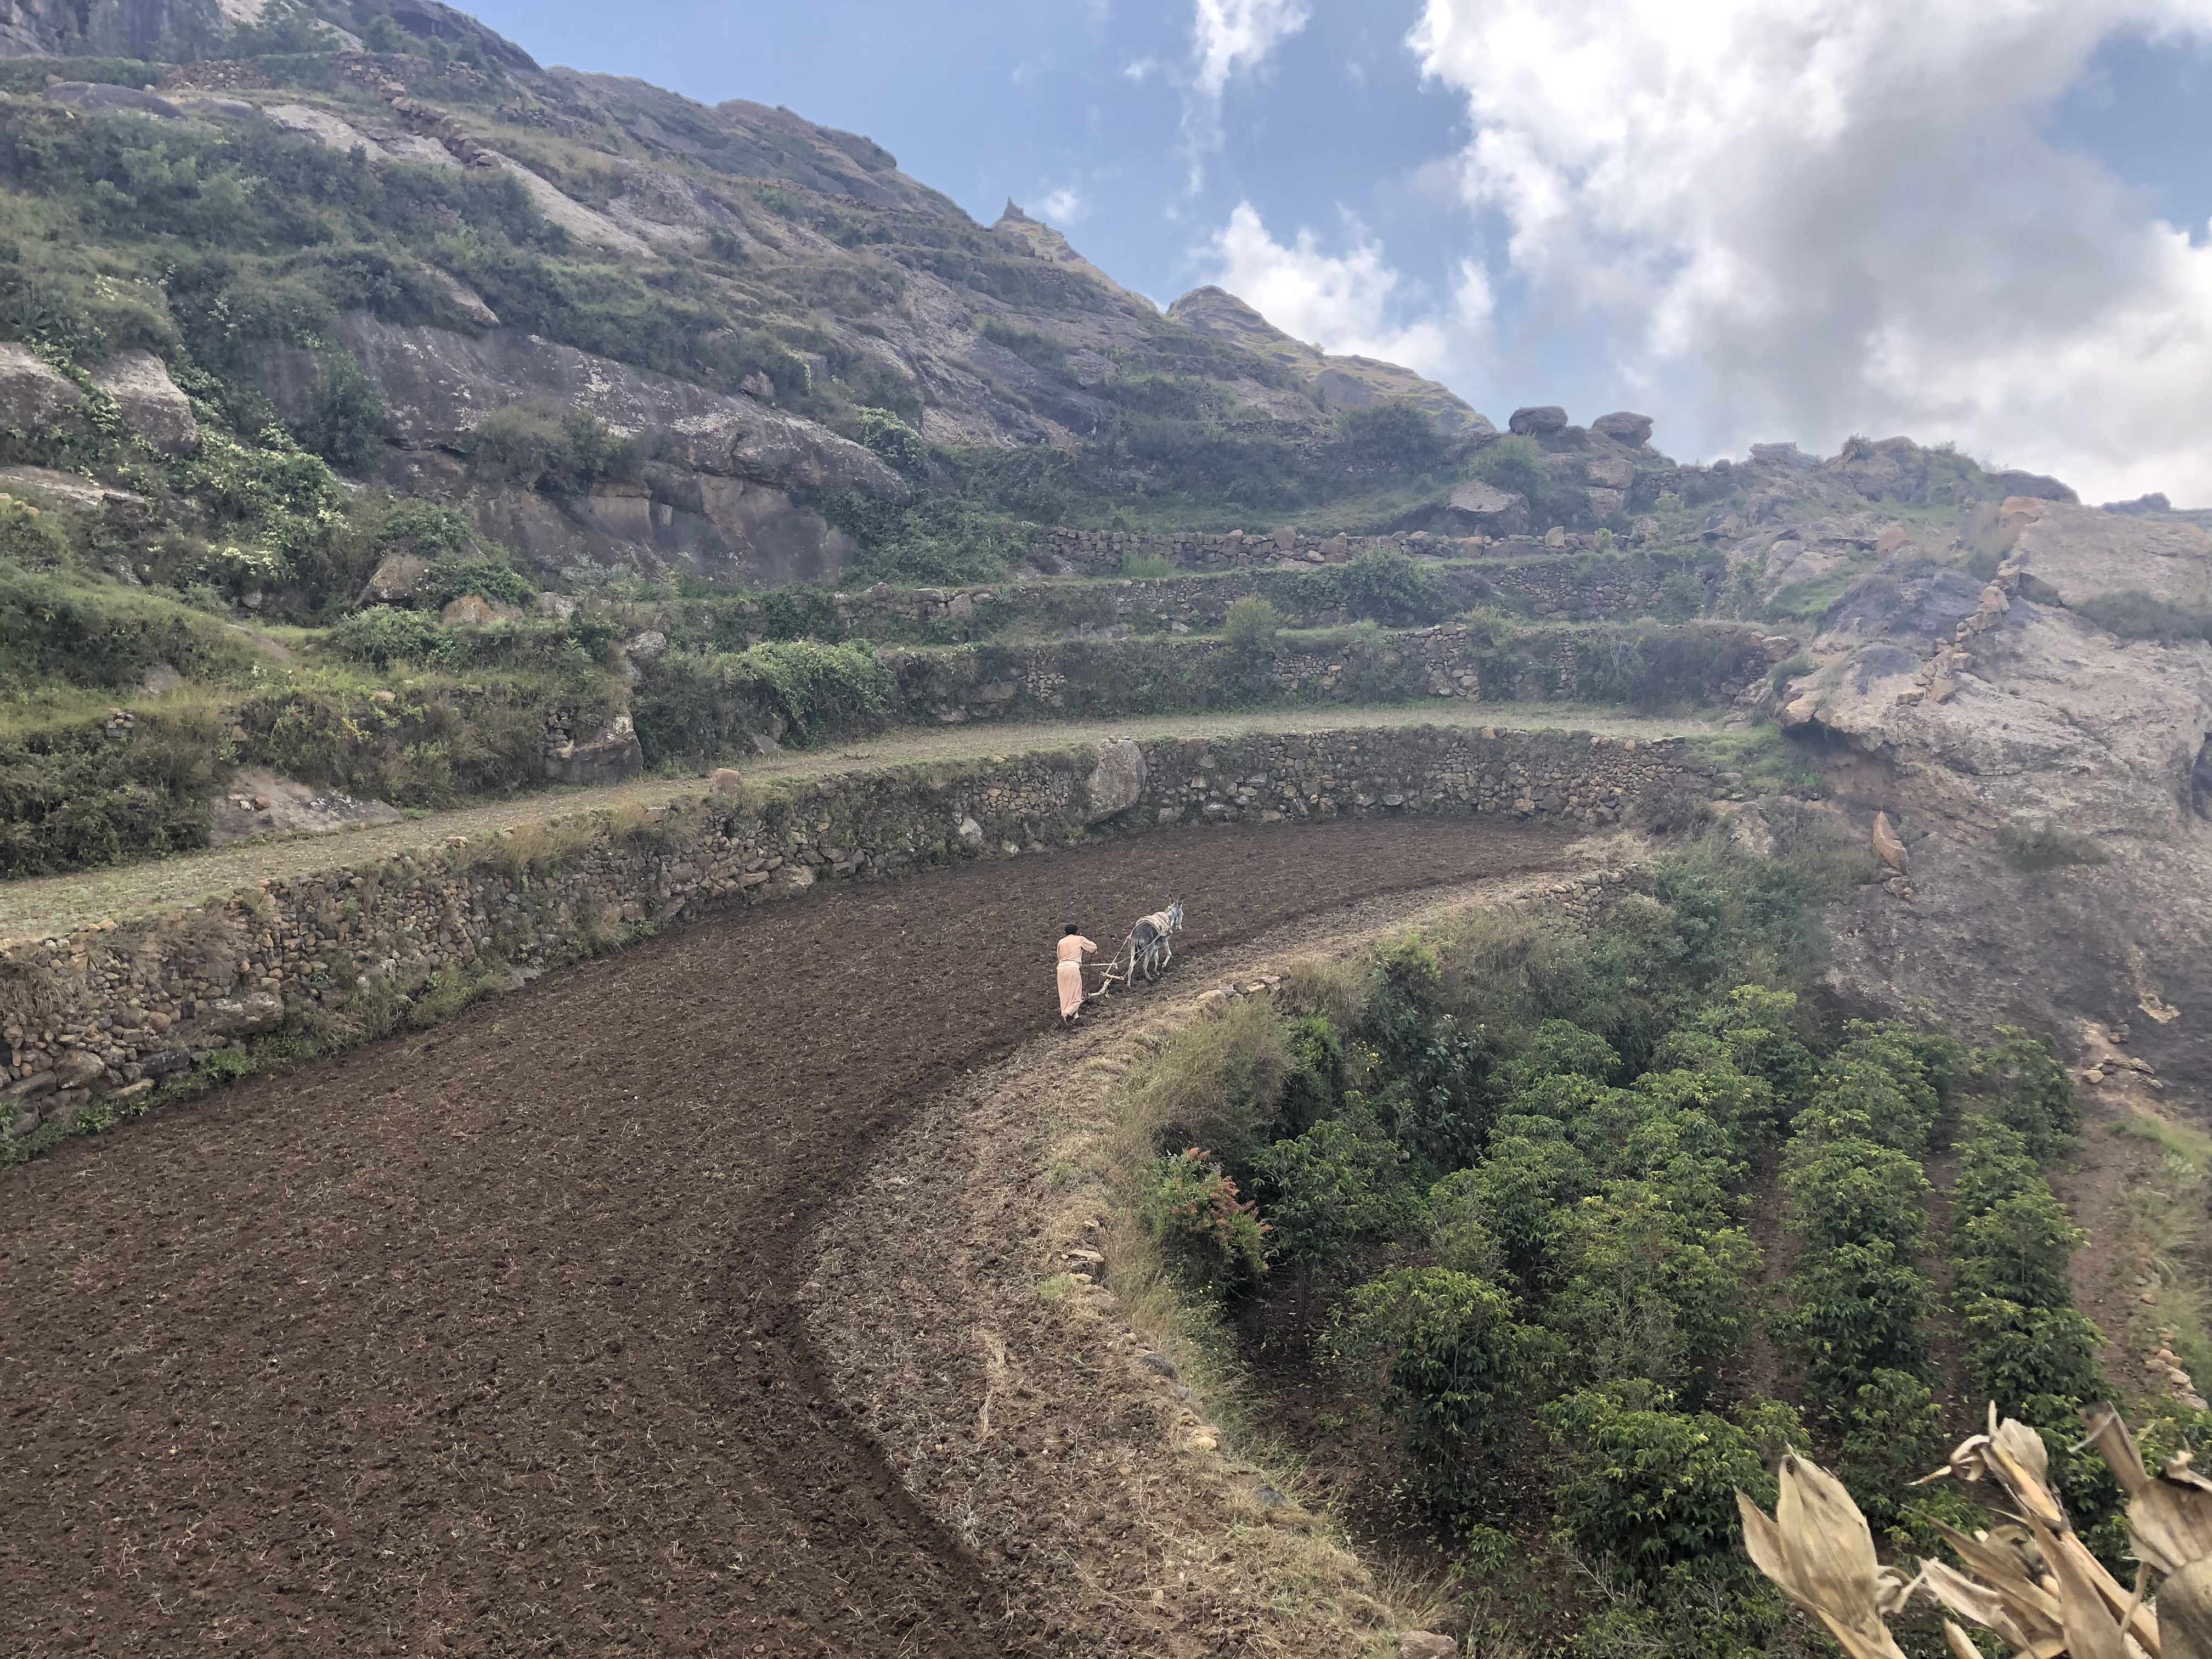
(1807, 602)
(2172, 1209)
(2046, 845)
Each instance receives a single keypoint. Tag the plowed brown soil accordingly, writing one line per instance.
(483, 1341)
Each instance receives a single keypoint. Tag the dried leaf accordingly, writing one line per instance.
(2169, 1515)
(2092, 1633)
(1984, 1606)
(1818, 1549)
(1962, 1645)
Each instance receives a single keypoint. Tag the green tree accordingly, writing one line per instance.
(1855, 1310)
(1893, 1435)
(1646, 1487)
(1854, 1191)
(2029, 1090)
(1521, 1192)
(1648, 1289)
(1321, 1192)
(1453, 1356)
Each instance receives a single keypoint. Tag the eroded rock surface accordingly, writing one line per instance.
(1980, 717)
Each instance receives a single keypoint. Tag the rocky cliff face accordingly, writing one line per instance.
(1336, 382)
(809, 275)
(2051, 778)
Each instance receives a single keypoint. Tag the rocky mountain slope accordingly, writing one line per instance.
(679, 311)
(266, 262)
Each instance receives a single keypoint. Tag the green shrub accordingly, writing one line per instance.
(1523, 1192)
(1453, 1357)
(896, 444)
(1646, 1487)
(451, 577)
(347, 426)
(1389, 587)
(2029, 1090)
(1321, 1192)
(2045, 846)
(1854, 1310)
(1395, 433)
(1852, 1190)
(56, 630)
(1147, 566)
(1891, 1436)
(1192, 1208)
(1313, 1084)
(426, 529)
(701, 705)
(1650, 1285)
(382, 634)
(1250, 625)
(546, 449)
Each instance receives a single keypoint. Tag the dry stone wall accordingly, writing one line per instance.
(1549, 585)
(99, 1021)
(1703, 665)
(1102, 552)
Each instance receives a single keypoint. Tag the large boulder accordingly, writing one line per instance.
(1117, 781)
(613, 757)
(2036, 484)
(2083, 551)
(1484, 509)
(1538, 420)
(33, 395)
(150, 401)
(1623, 426)
(1610, 472)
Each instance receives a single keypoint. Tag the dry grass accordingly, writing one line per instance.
(1210, 1085)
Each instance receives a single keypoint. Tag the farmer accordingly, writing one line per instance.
(1073, 947)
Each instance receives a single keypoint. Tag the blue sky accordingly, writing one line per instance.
(1984, 220)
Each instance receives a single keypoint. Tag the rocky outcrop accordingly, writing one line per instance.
(33, 395)
(2023, 719)
(2080, 552)
(1484, 509)
(1336, 382)
(711, 483)
(152, 404)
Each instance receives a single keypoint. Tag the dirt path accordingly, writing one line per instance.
(48, 905)
(485, 1341)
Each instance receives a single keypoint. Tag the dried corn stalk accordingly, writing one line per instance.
(1818, 1549)
(2027, 1578)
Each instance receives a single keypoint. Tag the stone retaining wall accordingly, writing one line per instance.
(1101, 552)
(99, 1022)
(1582, 587)
(1711, 664)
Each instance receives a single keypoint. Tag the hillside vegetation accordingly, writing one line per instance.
(1541, 1244)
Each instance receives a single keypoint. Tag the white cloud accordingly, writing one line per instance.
(1063, 206)
(1232, 36)
(1839, 215)
(1352, 303)
(1228, 39)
